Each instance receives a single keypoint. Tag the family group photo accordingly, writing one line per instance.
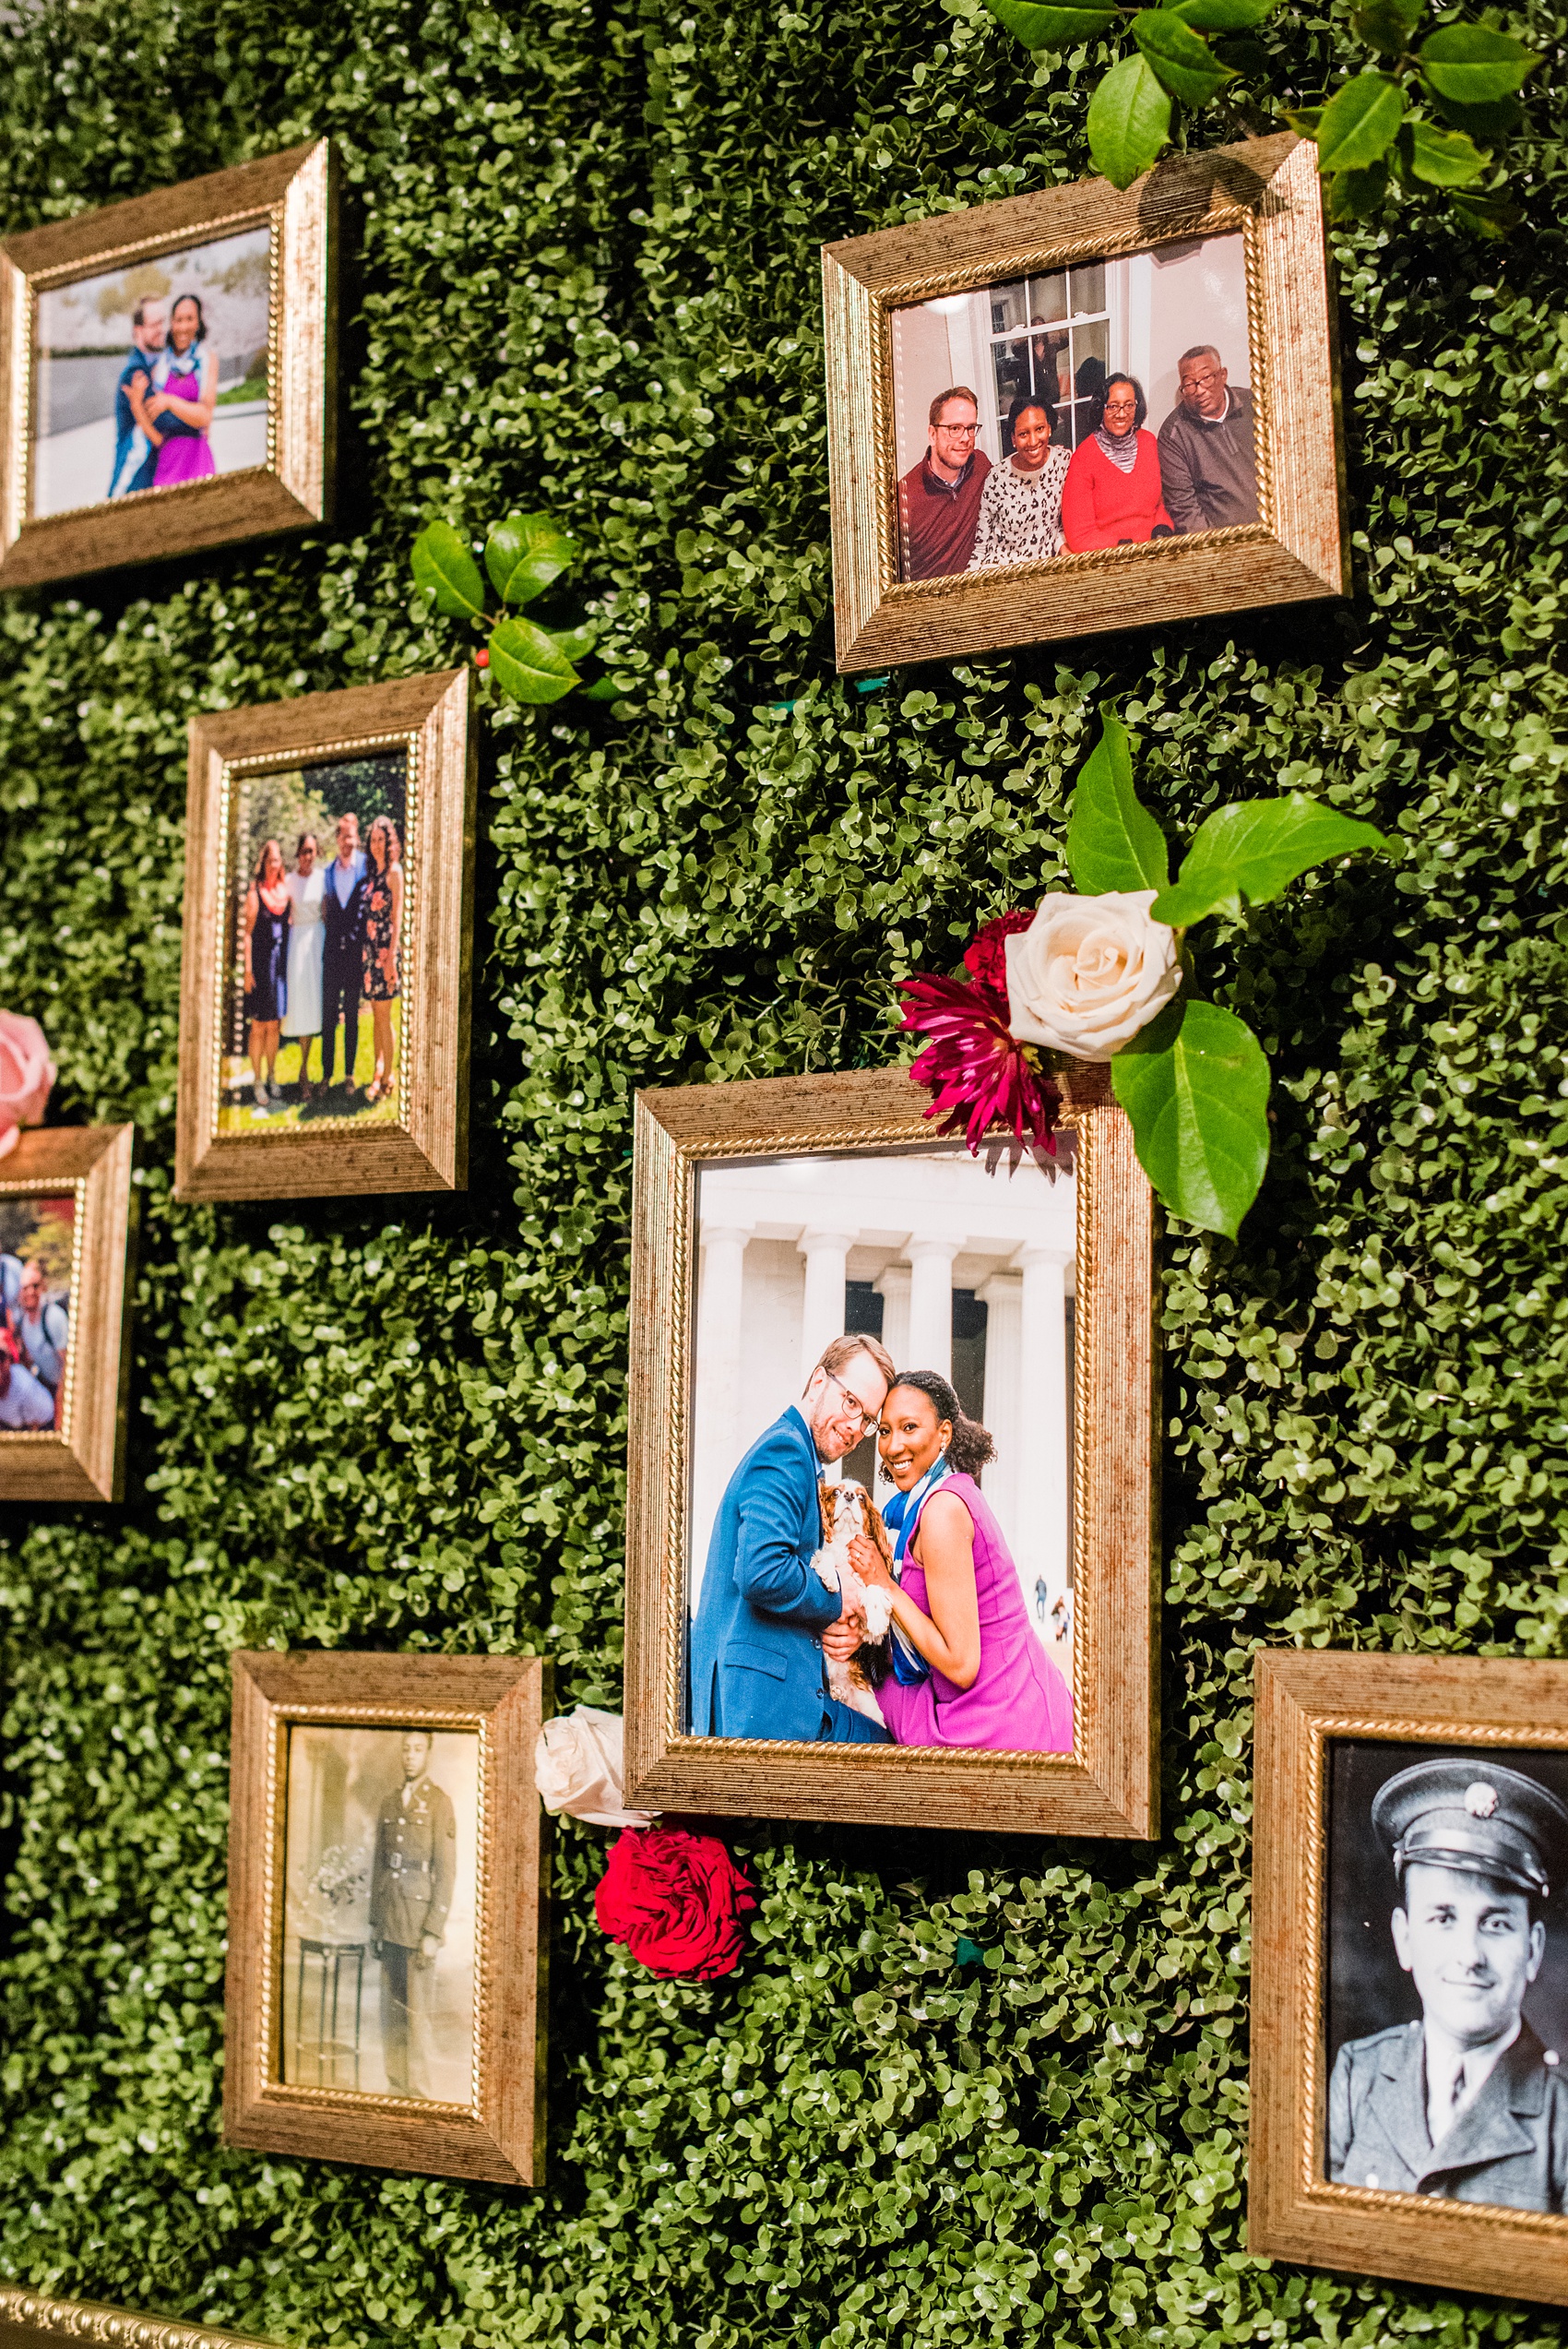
(313, 1020)
(36, 1251)
(376, 1992)
(1105, 404)
(880, 1542)
(1447, 1984)
(151, 375)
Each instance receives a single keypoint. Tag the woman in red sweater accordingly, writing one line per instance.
(1111, 495)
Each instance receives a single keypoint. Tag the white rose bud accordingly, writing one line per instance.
(579, 1767)
(1089, 971)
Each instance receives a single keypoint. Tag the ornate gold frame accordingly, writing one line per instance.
(1293, 2211)
(84, 1458)
(30, 2316)
(1267, 189)
(426, 1149)
(1110, 1784)
(499, 2133)
(295, 195)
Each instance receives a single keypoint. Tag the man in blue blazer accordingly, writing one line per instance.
(756, 1660)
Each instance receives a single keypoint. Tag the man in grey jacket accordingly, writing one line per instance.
(1208, 463)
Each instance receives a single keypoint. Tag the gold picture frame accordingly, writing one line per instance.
(1109, 1785)
(1267, 189)
(1306, 1704)
(82, 1457)
(28, 2316)
(293, 194)
(424, 1146)
(494, 2130)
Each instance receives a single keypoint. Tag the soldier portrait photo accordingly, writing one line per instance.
(378, 1987)
(1447, 1988)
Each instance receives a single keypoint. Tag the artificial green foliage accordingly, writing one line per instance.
(582, 279)
(524, 555)
(1194, 1085)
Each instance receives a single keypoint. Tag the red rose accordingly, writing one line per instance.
(986, 958)
(674, 1899)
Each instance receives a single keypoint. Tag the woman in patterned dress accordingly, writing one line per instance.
(1020, 508)
(383, 943)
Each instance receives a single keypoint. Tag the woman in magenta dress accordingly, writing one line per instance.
(178, 415)
(968, 1668)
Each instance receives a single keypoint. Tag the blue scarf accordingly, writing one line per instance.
(909, 1667)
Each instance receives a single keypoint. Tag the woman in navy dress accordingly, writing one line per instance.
(265, 925)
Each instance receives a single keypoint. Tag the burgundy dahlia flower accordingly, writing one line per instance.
(976, 1072)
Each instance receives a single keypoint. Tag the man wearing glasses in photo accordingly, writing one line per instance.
(939, 498)
(757, 1664)
(1207, 461)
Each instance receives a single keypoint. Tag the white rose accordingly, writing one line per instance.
(579, 1767)
(1089, 971)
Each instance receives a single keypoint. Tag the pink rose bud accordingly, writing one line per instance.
(25, 1075)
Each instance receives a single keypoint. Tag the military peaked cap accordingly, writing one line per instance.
(1466, 1812)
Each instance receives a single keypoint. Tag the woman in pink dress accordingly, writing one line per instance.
(959, 1609)
(178, 415)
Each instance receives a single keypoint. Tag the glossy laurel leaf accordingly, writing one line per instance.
(1474, 63)
(1248, 854)
(529, 664)
(1359, 195)
(1044, 28)
(1194, 1085)
(523, 553)
(1387, 25)
(1112, 841)
(1445, 158)
(1221, 15)
(1359, 123)
(444, 568)
(1129, 120)
(1181, 57)
(1498, 119)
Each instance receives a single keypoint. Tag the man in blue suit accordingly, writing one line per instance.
(756, 1657)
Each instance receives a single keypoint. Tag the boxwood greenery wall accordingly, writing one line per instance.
(583, 275)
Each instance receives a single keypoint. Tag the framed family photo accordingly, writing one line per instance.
(325, 984)
(891, 1475)
(1084, 410)
(65, 1233)
(166, 371)
(1410, 1968)
(385, 1950)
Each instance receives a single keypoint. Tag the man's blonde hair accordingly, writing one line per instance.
(842, 1352)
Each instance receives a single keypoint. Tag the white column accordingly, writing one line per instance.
(894, 1290)
(1043, 1412)
(931, 1305)
(716, 1415)
(1002, 1296)
(821, 1313)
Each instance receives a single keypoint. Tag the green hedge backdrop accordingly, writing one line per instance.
(582, 275)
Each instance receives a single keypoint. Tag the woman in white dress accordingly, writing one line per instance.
(307, 940)
(1020, 508)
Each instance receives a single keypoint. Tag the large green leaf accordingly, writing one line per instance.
(529, 664)
(1248, 854)
(1386, 25)
(1112, 841)
(444, 568)
(1183, 58)
(523, 553)
(1474, 63)
(1359, 123)
(1491, 215)
(1041, 28)
(1488, 124)
(1357, 196)
(1194, 1085)
(1129, 120)
(1221, 15)
(1446, 158)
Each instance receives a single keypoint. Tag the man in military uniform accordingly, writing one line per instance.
(416, 1849)
(1467, 2103)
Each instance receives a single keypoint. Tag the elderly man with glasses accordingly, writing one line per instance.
(1207, 461)
(939, 498)
(756, 1654)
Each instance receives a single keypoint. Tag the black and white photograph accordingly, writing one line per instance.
(378, 1984)
(1447, 1992)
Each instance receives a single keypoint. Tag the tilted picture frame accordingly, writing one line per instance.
(322, 1880)
(1464, 1759)
(1262, 198)
(860, 1133)
(409, 745)
(267, 228)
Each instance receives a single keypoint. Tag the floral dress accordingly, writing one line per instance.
(1020, 514)
(378, 988)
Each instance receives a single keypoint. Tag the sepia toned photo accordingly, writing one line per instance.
(379, 1937)
(167, 371)
(38, 1248)
(1084, 410)
(1411, 1981)
(324, 984)
(890, 1537)
(152, 375)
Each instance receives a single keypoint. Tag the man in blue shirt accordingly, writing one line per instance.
(42, 1327)
(134, 457)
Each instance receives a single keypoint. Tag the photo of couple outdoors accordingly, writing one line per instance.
(152, 375)
(1103, 405)
(312, 1021)
(823, 1618)
(37, 1240)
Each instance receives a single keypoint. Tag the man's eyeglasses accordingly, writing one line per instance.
(959, 432)
(864, 1419)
